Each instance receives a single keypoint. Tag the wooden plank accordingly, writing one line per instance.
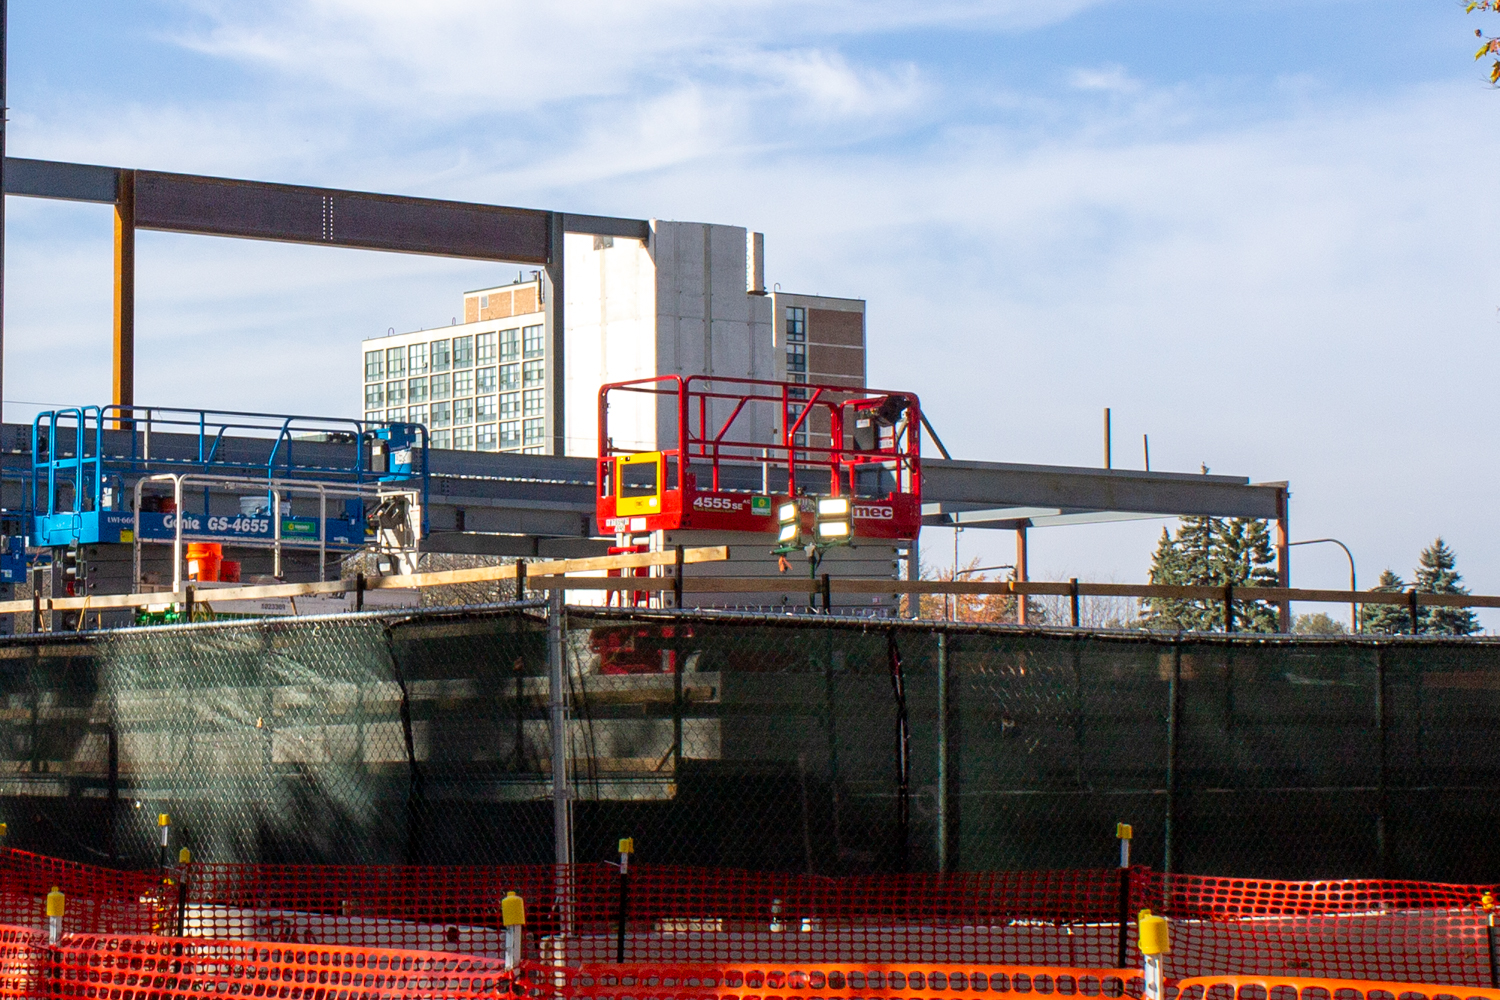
(549, 574)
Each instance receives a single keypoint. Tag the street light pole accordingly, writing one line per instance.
(1353, 580)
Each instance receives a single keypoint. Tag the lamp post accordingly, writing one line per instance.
(976, 569)
(1353, 581)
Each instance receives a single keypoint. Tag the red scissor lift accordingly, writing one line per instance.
(727, 475)
(724, 476)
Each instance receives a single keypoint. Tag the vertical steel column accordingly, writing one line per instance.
(1283, 556)
(557, 693)
(556, 295)
(124, 339)
(942, 752)
(1021, 572)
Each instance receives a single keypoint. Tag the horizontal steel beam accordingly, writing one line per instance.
(214, 206)
(602, 225)
(989, 485)
(219, 206)
(62, 181)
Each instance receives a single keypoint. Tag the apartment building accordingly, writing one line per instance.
(691, 300)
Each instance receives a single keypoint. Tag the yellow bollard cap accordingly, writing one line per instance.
(1154, 939)
(162, 819)
(55, 902)
(513, 910)
(1487, 900)
(184, 857)
(627, 845)
(1123, 831)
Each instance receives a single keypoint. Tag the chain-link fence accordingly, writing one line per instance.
(787, 743)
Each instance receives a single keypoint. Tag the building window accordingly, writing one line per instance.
(510, 406)
(484, 349)
(416, 359)
(442, 439)
(374, 365)
(535, 432)
(796, 359)
(416, 414)
(438, 387)
(534, 343)
(532, 373)
(438, 355)
(441, 415)
(374, 417)
(484, 437)
(535, 403)
(416, 390)
(395, 416)
(510, 378)
(796, 324)
(463, 438)
(510, 435)
(374, 395)
(484, 301)
(463, 352)
(484, 408)
(484, 380)
(463, 411)
(395, 362)
(510, 345)
(463, 383)
(395, 393)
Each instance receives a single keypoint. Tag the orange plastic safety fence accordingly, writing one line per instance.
(23, 952)
(134, 967)
(1335, 929)
(1354, 930)
(99, 899)
(634, 981)
(1297, 988)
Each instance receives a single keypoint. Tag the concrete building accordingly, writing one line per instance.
(690, 300)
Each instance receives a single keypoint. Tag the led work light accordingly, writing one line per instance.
(789, 515)
(833, 520)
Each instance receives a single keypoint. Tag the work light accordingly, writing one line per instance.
(834, 527)
(789, 515)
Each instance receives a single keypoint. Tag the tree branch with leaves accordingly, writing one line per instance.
(1491, 46)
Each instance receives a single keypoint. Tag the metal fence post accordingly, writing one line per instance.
(1173, 688)
(562, 814)
(942, 751)
(1381, 853)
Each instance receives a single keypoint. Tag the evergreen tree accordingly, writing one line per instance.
(1436, 575)
(1386, 619)
(1210, 551)
(1244, 558)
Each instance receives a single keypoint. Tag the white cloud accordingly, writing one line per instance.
(1112, 79)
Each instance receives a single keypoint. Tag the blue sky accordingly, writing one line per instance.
(1258, 231)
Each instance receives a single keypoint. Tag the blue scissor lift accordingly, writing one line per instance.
(138, 475)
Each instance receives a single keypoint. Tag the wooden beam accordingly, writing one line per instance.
(551, 574)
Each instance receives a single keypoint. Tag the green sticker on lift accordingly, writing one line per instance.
(760, 505)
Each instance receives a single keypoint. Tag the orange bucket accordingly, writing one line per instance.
(203, 561)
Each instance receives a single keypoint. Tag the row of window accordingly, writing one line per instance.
(455, 353)
(528, 435)
(505, 378)
(506, 406)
